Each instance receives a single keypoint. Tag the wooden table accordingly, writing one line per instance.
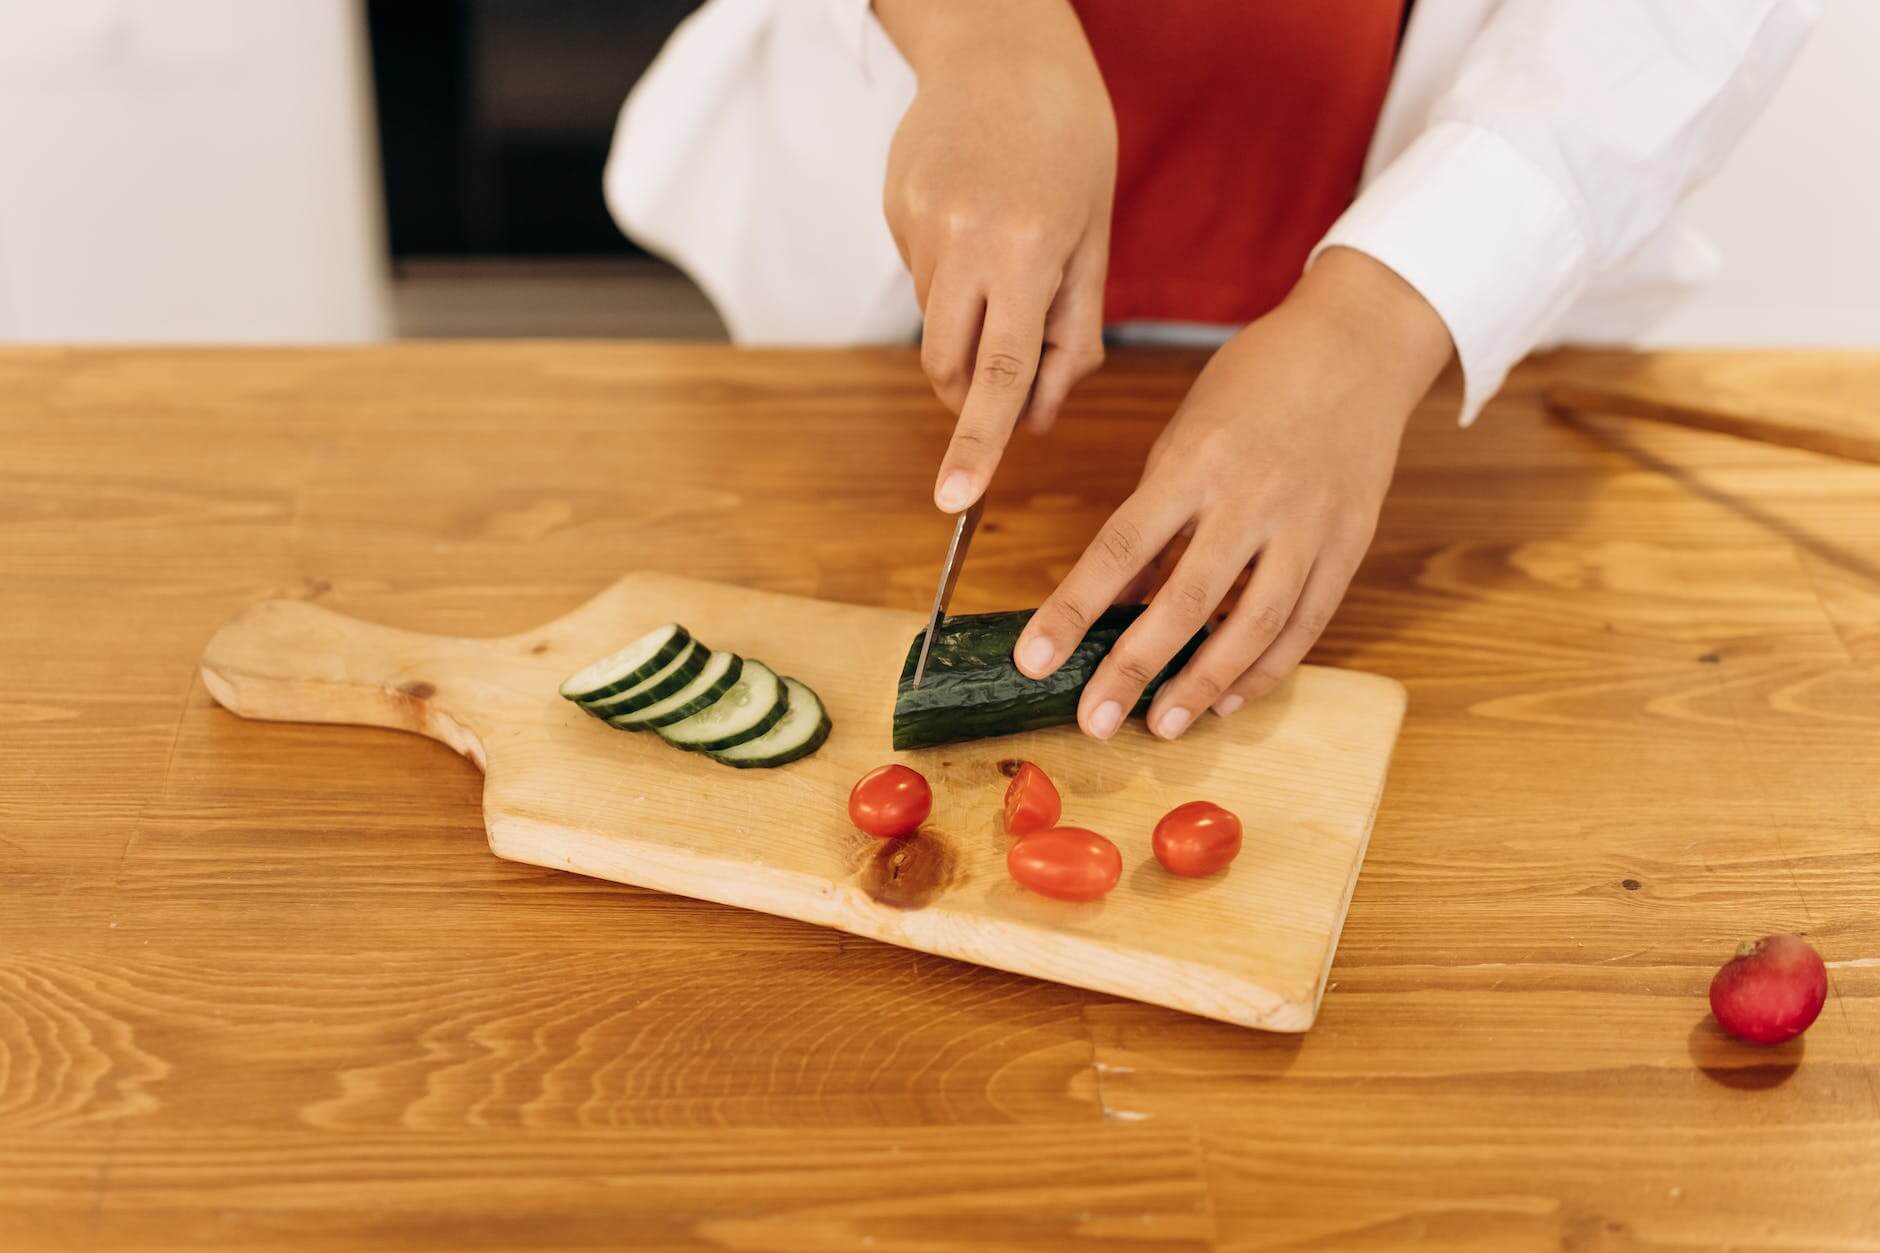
(261, 986)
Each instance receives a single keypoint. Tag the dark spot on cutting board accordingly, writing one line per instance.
(418, 689)
(1630, 885)
(1709, 659)
(1008, 766)
(539, 649)
(907, 873)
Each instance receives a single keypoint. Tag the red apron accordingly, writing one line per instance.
(1242, 129)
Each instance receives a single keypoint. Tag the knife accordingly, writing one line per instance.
(949, 575)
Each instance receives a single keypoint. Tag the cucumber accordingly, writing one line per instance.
(971, 689)
(680, 671)
(803, 729)
(633, 664)
(720, 672)
(750, 707)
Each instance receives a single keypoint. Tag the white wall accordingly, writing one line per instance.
(188, 170)
(1795, 211)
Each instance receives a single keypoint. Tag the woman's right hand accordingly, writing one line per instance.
(999, 187)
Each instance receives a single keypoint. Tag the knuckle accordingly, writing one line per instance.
(1120, 542)
(1080, 362)
(940, 368)
(968, 439)
(1000, 370)
(900, 205)
(1207, 685)
(1262, 679)
(1072, 615)
(1268, 620)
(1192, 599)
(1353, 543)
(955, 221)
(1131, 668)
(1354, 534)
(1313, 620)
(1025, 238)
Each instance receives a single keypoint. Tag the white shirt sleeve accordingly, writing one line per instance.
(751, 154)
(1571, 132)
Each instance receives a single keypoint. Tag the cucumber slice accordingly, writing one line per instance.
(720, 672)
(680, 671)
(750, 707)
(633, 664)
(802, 732)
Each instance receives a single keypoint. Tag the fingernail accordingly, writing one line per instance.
(1035, 657)
(1228, 704)
(1108, 717)
(956, 492)
(1173, 723)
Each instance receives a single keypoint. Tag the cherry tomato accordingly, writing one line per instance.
(1197, 838)
(1031, 802)
(1068, 863)
(890, 802)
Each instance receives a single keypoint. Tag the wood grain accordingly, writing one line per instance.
(1252, 946)
(263, 987)
(1131, 1189)
(1821, 401)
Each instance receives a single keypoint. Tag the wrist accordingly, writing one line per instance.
(1381, 317)
(934, 34)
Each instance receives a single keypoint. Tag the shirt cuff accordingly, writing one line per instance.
(1484, 234)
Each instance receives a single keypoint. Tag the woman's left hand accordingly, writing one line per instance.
(1279, 457)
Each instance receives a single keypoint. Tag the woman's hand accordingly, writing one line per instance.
(1279, 456)
(998, 195)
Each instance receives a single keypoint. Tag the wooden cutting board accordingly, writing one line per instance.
(1304, 769)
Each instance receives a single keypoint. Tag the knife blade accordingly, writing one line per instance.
(949, 575)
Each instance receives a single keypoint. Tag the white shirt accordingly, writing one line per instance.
(1524, 176)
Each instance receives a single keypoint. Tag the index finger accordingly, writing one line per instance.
(1003, 369)
(1131, 538)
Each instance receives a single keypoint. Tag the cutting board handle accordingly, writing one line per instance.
(290, 661)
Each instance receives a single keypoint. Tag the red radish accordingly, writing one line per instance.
(1770, 991)
(1031, 802)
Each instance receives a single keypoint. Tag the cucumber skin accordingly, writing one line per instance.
(671, 685)
(972, 690)
(659, 661)
(798, 753)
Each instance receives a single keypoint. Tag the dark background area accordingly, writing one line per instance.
(495, 115)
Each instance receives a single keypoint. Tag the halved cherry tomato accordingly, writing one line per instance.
(1197, 838)
(1031, 802)
(1068, 863)
(890, 802)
